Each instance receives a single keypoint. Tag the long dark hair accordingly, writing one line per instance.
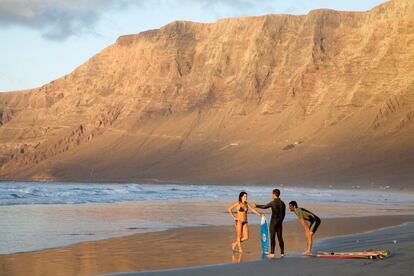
(241, 195)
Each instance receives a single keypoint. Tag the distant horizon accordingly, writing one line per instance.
(56, 32)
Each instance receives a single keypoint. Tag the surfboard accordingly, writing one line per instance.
(264, 236)
(371, 254)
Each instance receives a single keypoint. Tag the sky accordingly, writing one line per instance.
(42, 40)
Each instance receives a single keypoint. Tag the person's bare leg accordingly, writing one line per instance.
(308, 243)
(243, 235)
(245, 231)
(239, 236)
(233, 245)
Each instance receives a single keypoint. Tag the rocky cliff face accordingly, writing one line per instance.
(321, 99)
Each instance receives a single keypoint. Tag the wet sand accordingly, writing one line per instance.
(178, 248)
(399, 240)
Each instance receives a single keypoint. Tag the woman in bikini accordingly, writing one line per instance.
(242, 230)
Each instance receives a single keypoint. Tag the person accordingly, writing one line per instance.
(275, 226)
(242, 230)
(314, 222)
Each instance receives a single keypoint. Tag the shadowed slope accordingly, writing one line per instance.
(326, 98)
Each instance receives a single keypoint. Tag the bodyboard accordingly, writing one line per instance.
(371, 254)
(264, 236)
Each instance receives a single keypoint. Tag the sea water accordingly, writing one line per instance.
(35, 216)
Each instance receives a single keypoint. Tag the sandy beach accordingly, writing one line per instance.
(195, 247)
(131, 132)
(399, 240)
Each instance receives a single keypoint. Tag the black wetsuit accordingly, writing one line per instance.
(275, 226)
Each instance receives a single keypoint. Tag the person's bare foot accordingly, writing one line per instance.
(307, 253)
(270, 256)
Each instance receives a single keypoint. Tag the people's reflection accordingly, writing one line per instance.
(237, 258)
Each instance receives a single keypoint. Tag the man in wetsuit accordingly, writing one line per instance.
(314, 222)
(275, 226)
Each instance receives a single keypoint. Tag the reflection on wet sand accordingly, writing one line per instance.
(237, 257)
(171, 249)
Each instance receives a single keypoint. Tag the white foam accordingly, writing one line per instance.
(14, 193)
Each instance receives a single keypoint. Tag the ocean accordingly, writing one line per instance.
(36, 216)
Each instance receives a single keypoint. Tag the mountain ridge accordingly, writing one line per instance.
(325, 98)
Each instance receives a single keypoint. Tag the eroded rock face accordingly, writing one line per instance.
(218, 103)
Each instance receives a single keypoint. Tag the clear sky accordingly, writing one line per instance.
(42, 40)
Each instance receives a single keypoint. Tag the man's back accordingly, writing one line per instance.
(305, 214)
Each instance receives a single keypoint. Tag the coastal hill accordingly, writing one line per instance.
(323, 99)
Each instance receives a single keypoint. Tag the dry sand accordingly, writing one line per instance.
(179, 248)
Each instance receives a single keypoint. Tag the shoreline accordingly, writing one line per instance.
(54, 216)
(137, 235)
(386, 188)
(190, 246)
(256, 224)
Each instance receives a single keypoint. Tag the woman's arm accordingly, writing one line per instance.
(230, 209)
(254, 210)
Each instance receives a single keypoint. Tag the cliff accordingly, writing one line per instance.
(321, 99)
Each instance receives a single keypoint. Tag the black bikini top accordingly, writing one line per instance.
(242, 209)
